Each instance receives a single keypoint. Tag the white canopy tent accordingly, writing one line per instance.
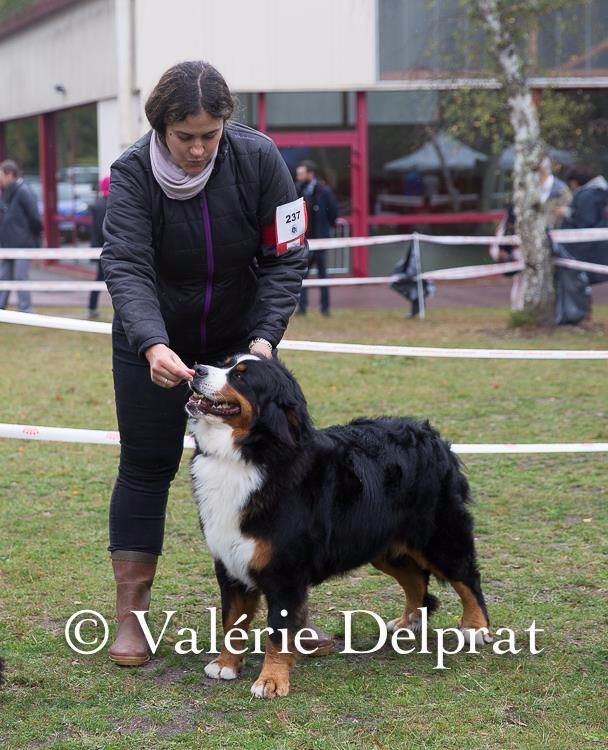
(457, 155)
(567, 158)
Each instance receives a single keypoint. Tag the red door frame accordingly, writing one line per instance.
(47, 148)
(356, 140)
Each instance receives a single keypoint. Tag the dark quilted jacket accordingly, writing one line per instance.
(195, 274)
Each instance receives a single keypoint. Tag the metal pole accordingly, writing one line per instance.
(419, 281)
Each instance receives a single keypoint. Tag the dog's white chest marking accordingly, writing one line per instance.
(222, 487)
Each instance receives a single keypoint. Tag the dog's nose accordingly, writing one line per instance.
(201, 371)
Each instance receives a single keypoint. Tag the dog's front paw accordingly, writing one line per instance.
(271, 687)
(412, 622)
(222, 669)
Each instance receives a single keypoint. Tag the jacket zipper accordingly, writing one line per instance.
(210, 270)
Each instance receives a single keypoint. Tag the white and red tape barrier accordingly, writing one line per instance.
(111, 437)
(105, 437)
(329, 347)
(446, 274)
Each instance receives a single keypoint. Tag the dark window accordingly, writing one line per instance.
(421, 39)
(246, 110)
(315, 110)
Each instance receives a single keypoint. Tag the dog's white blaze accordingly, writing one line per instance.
(217, 377)
(222, 487)
(215, 380)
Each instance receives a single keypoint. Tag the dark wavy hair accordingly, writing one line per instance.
(581, 173)
(186, 89)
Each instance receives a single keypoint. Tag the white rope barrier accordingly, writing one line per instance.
(429, 351)
(580, 265)
(564, 236)
(62, 253)
(112, 437)
(459, 273)
(90, 326)
(54, 286)
(474, 272)
(493, 448)
(54, 321)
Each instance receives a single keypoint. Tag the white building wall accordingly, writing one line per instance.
(98, 50)
(262, 45)
(108, 134)
(74, 48)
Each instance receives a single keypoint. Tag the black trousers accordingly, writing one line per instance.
(152, 423)
(317, 258)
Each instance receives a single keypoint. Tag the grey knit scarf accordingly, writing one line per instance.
(174, 182)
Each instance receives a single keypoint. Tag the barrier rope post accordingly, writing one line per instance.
(419, 279)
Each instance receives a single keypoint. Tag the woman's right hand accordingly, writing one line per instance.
(166, 368)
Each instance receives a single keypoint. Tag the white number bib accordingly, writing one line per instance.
(291, 224)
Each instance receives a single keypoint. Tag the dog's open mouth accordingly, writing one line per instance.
(199, 405)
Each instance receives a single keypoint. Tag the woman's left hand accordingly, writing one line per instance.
(262, 350)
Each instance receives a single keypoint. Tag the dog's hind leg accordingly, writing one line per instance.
(457, 565)
(414, 582)
(236, 602)
(475, 623)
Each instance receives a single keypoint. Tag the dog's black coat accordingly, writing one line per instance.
(340, 497)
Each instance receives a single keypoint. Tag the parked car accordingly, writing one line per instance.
(72, 207)
(80, 176)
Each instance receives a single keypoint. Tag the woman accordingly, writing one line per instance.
(193, 270)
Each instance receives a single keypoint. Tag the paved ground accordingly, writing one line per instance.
(476, 293)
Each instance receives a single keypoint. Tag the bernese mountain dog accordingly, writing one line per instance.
(284, 506)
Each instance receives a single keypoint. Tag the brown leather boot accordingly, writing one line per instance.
(134, 574)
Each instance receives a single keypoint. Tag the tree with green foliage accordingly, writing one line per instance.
(510, 115)
(481, 119)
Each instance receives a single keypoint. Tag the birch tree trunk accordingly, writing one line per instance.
(539, 292)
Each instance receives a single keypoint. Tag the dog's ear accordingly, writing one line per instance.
(277, 420)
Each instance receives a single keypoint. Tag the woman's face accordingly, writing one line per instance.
(192, 141)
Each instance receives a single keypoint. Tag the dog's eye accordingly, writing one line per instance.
(237, 375)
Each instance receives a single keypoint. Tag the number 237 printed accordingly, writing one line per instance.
(292, 217)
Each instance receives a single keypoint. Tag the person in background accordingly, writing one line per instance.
(555, 197)
(413, 183)
(20, 227)
(322, 210)
(192, 266)
(588, 210)
(97, 211)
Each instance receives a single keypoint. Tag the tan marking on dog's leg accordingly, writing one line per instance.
(274, 677)
(411, 579)
(262, 555)
(227, 665)
(472, 614)
(473, 617)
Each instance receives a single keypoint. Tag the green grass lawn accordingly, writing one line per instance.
(541, 523)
